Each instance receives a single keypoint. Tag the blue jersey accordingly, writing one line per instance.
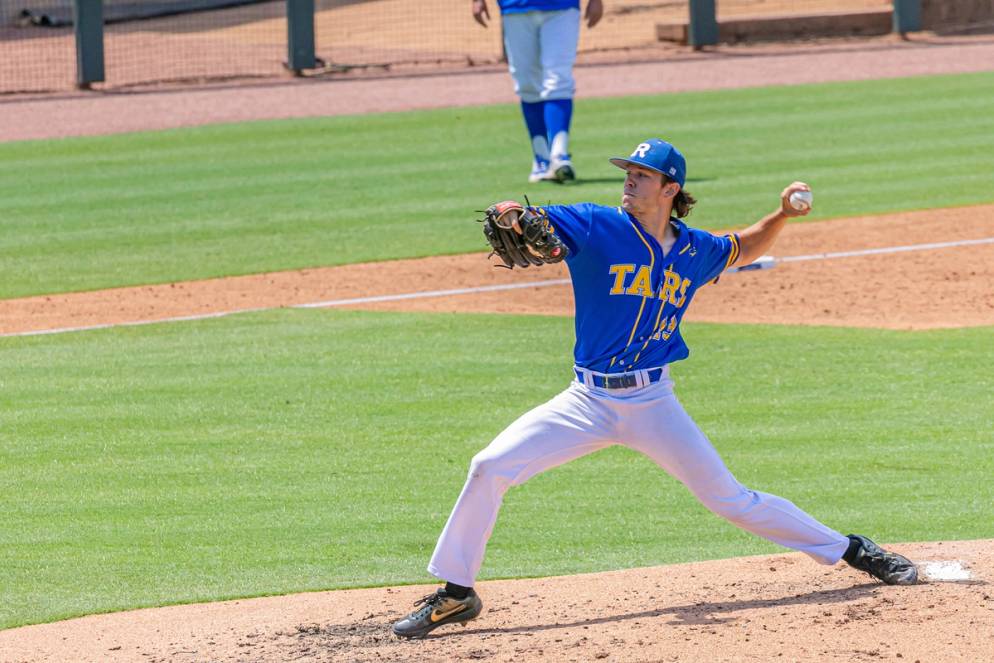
(629, 297)
(521, 6)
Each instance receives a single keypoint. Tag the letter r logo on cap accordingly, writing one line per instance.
(641, 150)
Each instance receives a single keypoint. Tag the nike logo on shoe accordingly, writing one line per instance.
(438, 609)
(436, 615)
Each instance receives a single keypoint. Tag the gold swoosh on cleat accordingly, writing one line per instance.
(438, 616)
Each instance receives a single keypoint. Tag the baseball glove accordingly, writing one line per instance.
(534, 245)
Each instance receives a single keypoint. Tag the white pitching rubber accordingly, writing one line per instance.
(947, 571)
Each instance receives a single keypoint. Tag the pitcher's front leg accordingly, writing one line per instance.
(567, 427)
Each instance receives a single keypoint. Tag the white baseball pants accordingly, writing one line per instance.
(541, 50)
(582, 420)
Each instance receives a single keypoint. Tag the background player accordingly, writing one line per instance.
(635, 269)
(540, 39)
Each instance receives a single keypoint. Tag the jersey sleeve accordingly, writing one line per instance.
(719, 252)
(572, 224)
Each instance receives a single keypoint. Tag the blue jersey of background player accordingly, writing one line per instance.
(540, 40)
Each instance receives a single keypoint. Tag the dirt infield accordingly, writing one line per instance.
(882, 290)
(781, 607)
(761, 609)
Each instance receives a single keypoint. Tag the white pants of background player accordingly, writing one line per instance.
(584, 419)
(541, 50)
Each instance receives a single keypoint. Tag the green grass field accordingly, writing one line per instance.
(89, 213)
(297, 450)
(303, 450)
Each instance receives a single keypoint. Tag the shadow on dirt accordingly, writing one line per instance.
(700, 613)
(376, 632)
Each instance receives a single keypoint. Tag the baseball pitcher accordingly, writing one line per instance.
(635, 269)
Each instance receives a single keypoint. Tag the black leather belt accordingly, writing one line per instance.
(619, 380)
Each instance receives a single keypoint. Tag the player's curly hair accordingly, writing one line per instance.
(684, 201)
(683, 204)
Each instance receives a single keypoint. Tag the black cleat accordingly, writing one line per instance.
(891, 568)
(561, 170)
(437, 610)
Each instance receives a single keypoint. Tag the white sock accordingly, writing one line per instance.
(560, 145)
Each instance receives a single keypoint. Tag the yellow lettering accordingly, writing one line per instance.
(620, 272)
(671, 281)
(665, 329)
(670, 328)
(683, 293)
(642, 285)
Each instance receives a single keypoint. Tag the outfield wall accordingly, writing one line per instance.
(942, 15)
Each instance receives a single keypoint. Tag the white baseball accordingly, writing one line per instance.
(801, 200)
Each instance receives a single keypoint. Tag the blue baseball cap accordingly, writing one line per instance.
(658, 155)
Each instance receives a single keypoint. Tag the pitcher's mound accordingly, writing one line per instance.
(781, 607)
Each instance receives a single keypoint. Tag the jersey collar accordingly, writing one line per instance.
(682, 239)
(679, 227)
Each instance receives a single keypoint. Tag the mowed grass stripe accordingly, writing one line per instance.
(99, 212)
(301, 450)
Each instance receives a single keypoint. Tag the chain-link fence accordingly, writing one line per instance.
(32, 58)
(149, 41)
(740, 8)
(245, 39)
(144, 41)
(392, 34)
